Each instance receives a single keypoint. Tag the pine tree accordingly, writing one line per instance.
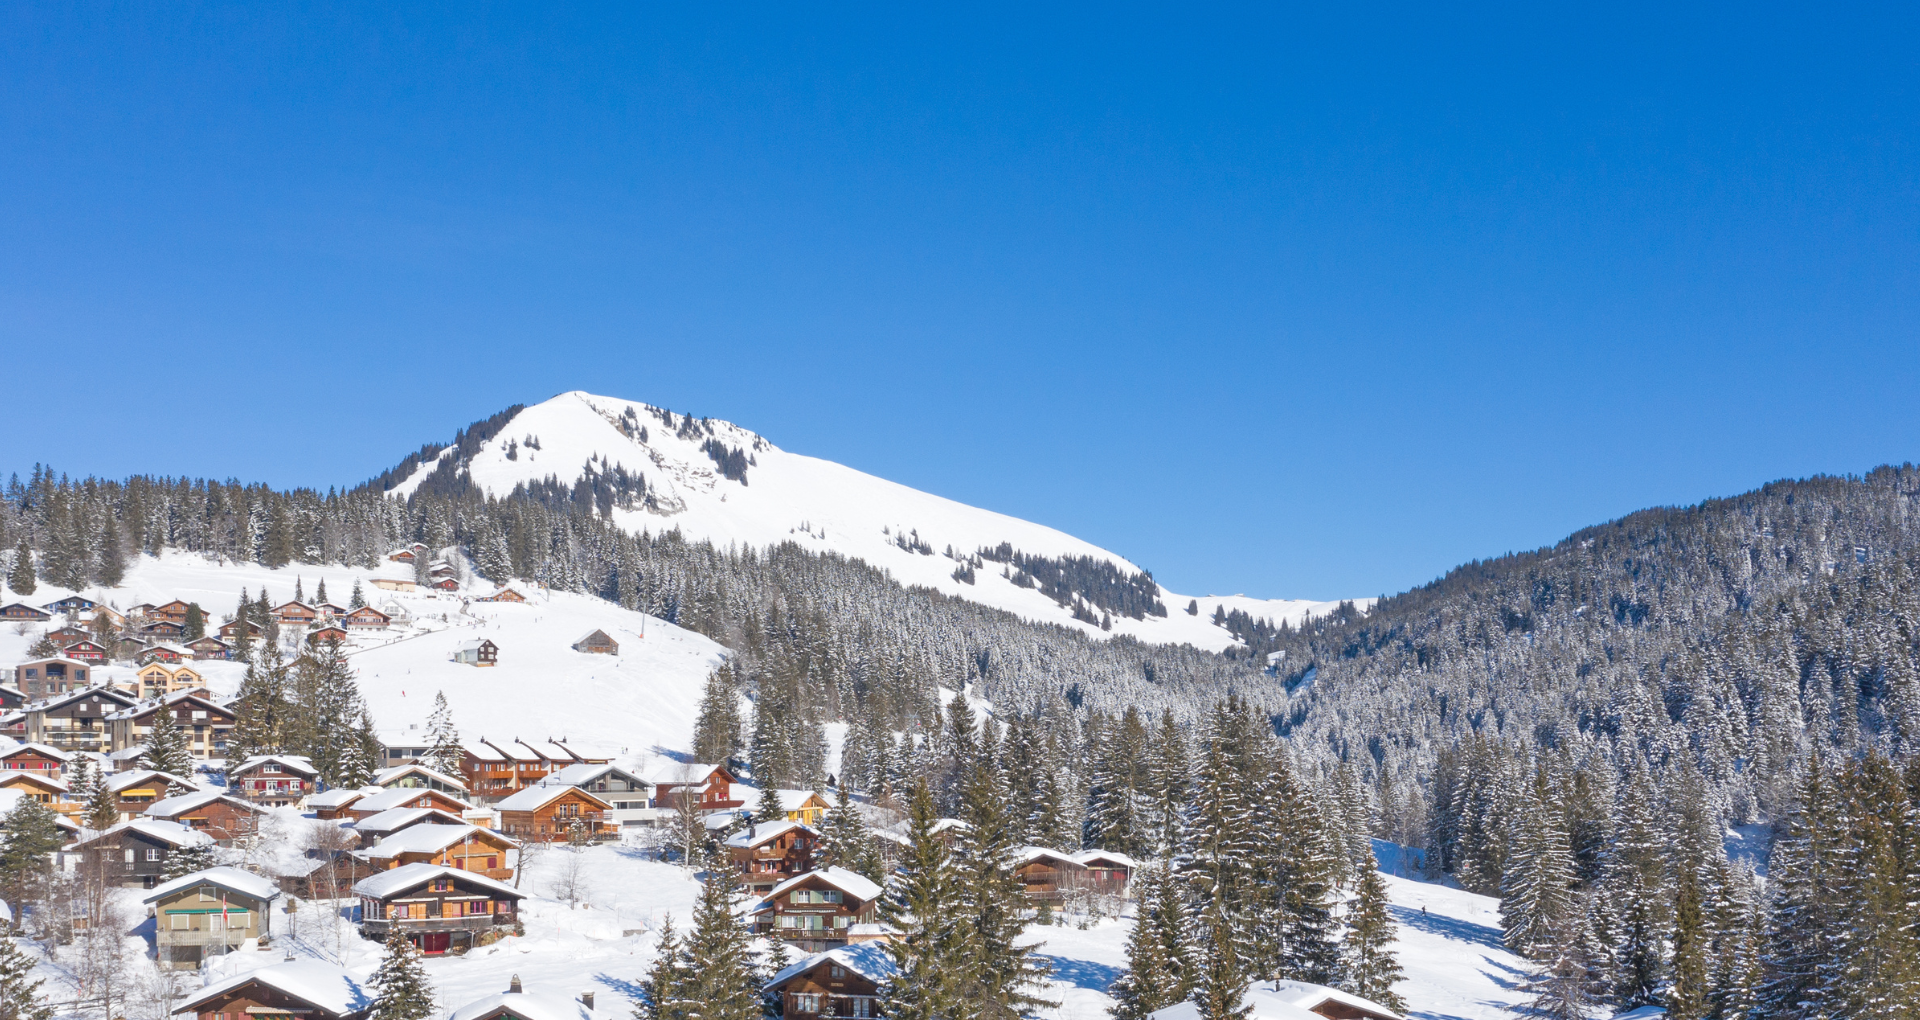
(21, 578)
(1563, 989)
(1367, 965)
(1537, 899)
(167, 745)
(187, 860)
(992, 910)
(716, 731)
(1688, 996)
(922, 899)
(19, 989)
(770, 809)
(262, 705)
(663, 994)
(405, 992)
(444, 755)
(299, 592)
(103, 808)
(29, 835)
(109, 562)
(196, 622)
(844, 841)
(720, 971)
(358, 599)
(1159, 965)
(1220, 991)
(320, 592)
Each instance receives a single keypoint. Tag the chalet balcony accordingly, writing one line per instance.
(471, 922)
(232, 938)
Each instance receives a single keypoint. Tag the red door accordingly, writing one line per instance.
(432, 942)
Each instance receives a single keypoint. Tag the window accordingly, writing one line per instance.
(862, 1007)
(206, 893)
(806, 1002)
(181, 922)
(153, 853)
(839, 971)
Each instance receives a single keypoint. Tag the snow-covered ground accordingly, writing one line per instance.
(621, 705)
(817, 504)
(1449, 943)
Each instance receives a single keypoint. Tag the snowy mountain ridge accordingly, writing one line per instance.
(655, 471)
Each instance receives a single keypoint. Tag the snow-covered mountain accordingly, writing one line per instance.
(716, 481)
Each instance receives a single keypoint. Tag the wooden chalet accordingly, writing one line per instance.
(70, 604)
(276, 780)
(1107, 871)
(462, 846)
(214, 812)
(68, 635)
(327, 634)
(47, 677)
(164, 653)
(329, 611)
(626, 792)
(141, 610)
(710, 787)
(388, 800)
(295, 614)
(323, 874)
(1286, 1000)
(209, 647)
(21, 611)
(516, 1003)
(494, 769)
(173, 612)
(137, 851)
(294, 990)
(409, 554)
(842, 983)
(42, 787)
(87, 650)
(108, 616)
(136, 790)
(230, 631)
(205, 723)
(597, 642)
(373, 829)
(366, 618)
(415, 776)
(158, 679)
(164, 630)
(1046, 875)
(809, 806)
(477, 652)
(11, 698)
(769, 854)
(445, 584)
(128, 646)
(35, 758)
(336, 803)
(814, 910)
(544, 814)
(503, 595)
(76, 721)
(209, 913)
(439, 909)
(441, 568)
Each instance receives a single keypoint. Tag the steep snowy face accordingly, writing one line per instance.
(655, 471)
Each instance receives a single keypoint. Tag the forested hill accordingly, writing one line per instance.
(1738, 635)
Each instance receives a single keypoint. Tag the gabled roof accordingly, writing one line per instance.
(128, 780)
(583, 772)
(854, 884)
(172, 833)
(292, 605)
(525, 1005)
(10, 777)
(533, 798)
(431, 839)
(689, 774)
(41, 613)
(1029, 854)
(395, 819)
(1284, 1000)
(472, 644)
(61, 660)
(482, 750)
(867, 959)
(397, 772)
(173, 807)
(231, 879)
(334, 799)
(320, 984)
(1087, 857)
(298, 764)
(759, 834)
(105, 691)
(409, 876)
(399, 796)
(43, 750)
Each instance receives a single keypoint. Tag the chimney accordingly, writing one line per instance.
(514, 985)
(586, 999)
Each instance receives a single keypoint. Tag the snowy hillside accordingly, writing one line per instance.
(623, 704)
(696, 482)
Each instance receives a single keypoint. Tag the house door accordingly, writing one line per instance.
(432, 942)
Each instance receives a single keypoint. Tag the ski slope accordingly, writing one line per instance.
(626, 705)
(817, 504)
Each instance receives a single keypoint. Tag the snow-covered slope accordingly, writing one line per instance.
(816, 503)
(623, 705)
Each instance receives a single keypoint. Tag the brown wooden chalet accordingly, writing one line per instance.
(85, 651)
(294, 990)
(77, 721)
(294, 614)
(326, 635)
(815, 910)
(68, 635)
(543, 814)
(205, 723)
(230, 632)
(842, 983)
(136, 852)
(709, 786)
(209, 647)
(136, 790)
(409, 554)
(223, 817)
(407, 797)
(164, 653)
(22, 611)
(276, 780)
(1107, 871)
(445, 584)
(164, 630)
(439, 909)
(329, 611)
(173, 612)
(45, 677)
(367, 618)
(1046, 875)
(494, 769)
(503, 595)
(378, 827)
(35, 758)
(415, 776)
(460, 846)
(324, 874)
(335, 803)
(43, 787)
(769, 854)
(597, 643)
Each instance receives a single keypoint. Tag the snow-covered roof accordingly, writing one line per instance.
(948, 825)
(298, 764)
(1089, 856)
(232, 879)
(681, 773)
(128, 780)
(397, 772)
(428, 839)
(192, 802)
(47, 779)
(335, 799)
(854, 884)
(321, 984)
(534, 798)
(584, 772)
(791, 799)
(409, 876)
(399, 796)
(1285, 1000)
(758, 834)
(172, 833)
(867, 959)
(1029, 854)
(394, 819)
(472, 644)
(480, 749)
(43, 750)
(525, 1005)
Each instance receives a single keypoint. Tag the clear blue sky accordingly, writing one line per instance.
(1284, 301)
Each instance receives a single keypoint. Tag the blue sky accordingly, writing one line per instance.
(1287, 301)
